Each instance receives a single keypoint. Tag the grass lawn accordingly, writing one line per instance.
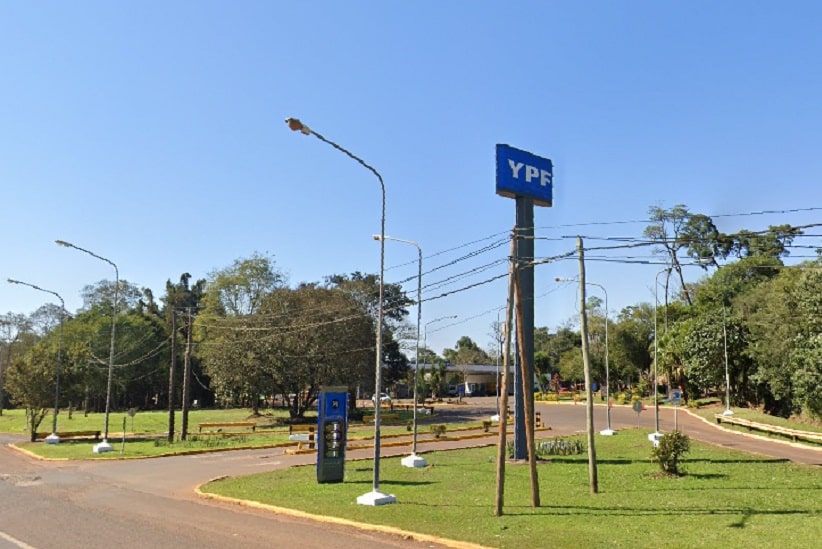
(727, 499)
(145, 434)
(804, 423)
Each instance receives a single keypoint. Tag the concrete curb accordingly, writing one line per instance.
(415, 536)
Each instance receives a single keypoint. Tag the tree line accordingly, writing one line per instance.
(243, 334)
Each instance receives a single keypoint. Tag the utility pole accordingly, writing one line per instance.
(186, 380)
(171, 374)
(586, 363)
(502, 444)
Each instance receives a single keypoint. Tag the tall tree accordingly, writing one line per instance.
(16, 335)
(229, 322)
(669, 231)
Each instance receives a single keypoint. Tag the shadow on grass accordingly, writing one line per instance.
(746, 513)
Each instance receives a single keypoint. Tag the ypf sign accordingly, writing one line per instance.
(520, 173)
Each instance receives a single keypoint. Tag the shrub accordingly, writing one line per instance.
(554, 447)
(438, 430)
(486, 425)
(670, 450)
(560, 447)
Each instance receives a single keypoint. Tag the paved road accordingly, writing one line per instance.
(151, 503)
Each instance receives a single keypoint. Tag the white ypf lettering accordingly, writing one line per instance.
(530, 173)
(515, 168)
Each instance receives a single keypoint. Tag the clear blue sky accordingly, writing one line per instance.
(152, 134)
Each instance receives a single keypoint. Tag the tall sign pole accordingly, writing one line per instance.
(528, 179)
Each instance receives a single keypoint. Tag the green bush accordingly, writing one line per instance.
(560, 447)
(438, 430)
(553, 447)
(670, 450)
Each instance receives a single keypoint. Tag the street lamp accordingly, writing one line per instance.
(608, 431)
(413, 460)
(728, 411)
(104, 446)
(53, 438)
(656, 435)
(374, 497)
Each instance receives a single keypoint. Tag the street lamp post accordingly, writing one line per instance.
(374, 497)
(607, 431)
(728, 411)
(53, 438)
(104, 446)
(656, 435)
(413, 460)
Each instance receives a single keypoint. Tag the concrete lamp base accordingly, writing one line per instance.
(375, 498)
(728, 412)
(102, 447)
(607, 432)
(495, 418)
(52, 439)
(414, 461)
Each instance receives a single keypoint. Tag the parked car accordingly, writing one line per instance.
(384, 398)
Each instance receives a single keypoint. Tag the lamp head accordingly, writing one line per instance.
(12, 281)
(376, 237)
(296, 125)
(63, 243)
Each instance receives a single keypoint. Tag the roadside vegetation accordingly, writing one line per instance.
(721, 498)
(245, 337)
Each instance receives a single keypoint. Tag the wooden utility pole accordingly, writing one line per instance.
(527, 392)
(502, 444)
(171, 374)
(586, 363)
(186, 380)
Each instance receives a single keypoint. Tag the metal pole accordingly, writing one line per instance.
(728, 411)
(607, 431)
(655, 434)
(375, 497)
(104, 446)
(53, 438)
(414, 460)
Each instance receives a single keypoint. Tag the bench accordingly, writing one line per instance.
(427, 410)
(383, 417)
(304, 435)
(794, 434)
(71, 435)
(214, 428)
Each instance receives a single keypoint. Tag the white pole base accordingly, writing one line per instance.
(728, 412)
(375, 498)
(655, 438)
(495, 418)
(608, 432)
(52, 439)
(102, 447)
(413, 461)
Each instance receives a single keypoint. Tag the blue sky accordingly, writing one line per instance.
(152, 134)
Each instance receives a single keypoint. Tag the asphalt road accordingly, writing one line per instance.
(152, 503)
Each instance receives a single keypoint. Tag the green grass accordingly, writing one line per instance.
(146, 438)
(801, 423)
(726, 499)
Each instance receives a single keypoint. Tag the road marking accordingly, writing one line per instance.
(15, 541)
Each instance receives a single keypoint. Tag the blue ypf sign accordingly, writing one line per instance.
(520, 173)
